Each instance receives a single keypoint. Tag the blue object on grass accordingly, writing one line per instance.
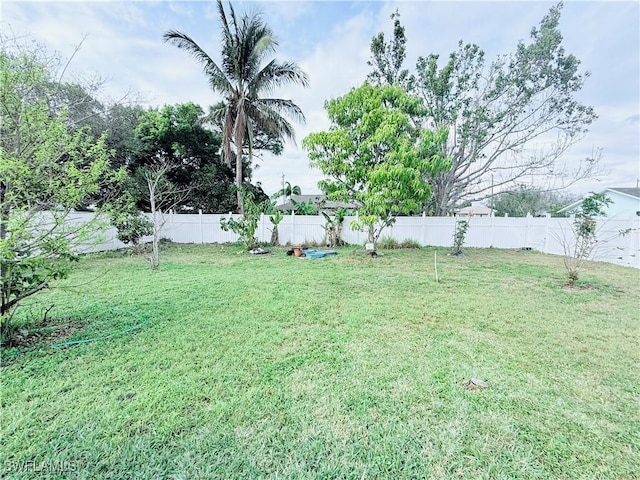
(318, 253)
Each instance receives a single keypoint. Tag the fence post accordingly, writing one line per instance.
(491, 230)
(171, 224)
(293, 226)
(635, 227)
(261, 237)
(526, 232)
(546, 233)
(201, 226)
(424, 229)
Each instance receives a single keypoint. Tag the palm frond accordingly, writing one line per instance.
(245, 52)
(231, 41)
(250, 137)
(217, 78)
(282, 107)
(216, 114)
(270, 121)
(223, 19)
(274, 75)
(260, 41)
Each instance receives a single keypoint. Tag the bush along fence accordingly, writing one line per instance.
(618, 238)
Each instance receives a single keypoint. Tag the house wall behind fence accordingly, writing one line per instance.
(547, 235)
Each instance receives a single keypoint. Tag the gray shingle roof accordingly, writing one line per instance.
(317, 200)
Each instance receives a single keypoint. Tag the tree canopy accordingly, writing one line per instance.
(521, 201)
(387, 57)
(374, 156)
(509, 120)
(48, 167)
(176, 135)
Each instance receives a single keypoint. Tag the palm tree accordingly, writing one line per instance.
(242, 78)
(287, 190)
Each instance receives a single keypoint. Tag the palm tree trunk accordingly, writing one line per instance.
(226, 137)
(239, 184)
(239, 129)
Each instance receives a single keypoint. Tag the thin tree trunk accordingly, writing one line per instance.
(155, 256)
(4, 211)
(441, 195)
(4, 268)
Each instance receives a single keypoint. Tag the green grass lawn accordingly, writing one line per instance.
(346, 367)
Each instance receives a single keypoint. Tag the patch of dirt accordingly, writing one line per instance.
(48, 332)
(474, 384)
(580, 288)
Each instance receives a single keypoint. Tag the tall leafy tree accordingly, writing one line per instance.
(498, 114)
(47, 168)
(374, 157)
(81, 106)
(175, 136)
(510, 120)
(243, 77)
(524, 200)
(387, 57)
(121, 121)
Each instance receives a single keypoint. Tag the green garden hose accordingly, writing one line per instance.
(105, 337)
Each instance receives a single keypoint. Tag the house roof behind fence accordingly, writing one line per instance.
(630, 192)
(318, 200)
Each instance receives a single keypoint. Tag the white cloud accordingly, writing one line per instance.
(282, 14)
(180, 8)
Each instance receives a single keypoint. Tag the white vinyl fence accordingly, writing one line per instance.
(618, 238)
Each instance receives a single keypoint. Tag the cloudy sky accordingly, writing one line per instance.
(330, 41)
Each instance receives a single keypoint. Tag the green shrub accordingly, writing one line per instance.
(388, 243)
(584, 231)
(246, 226)
(132, 226)
(459, 236)
(410, 243)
